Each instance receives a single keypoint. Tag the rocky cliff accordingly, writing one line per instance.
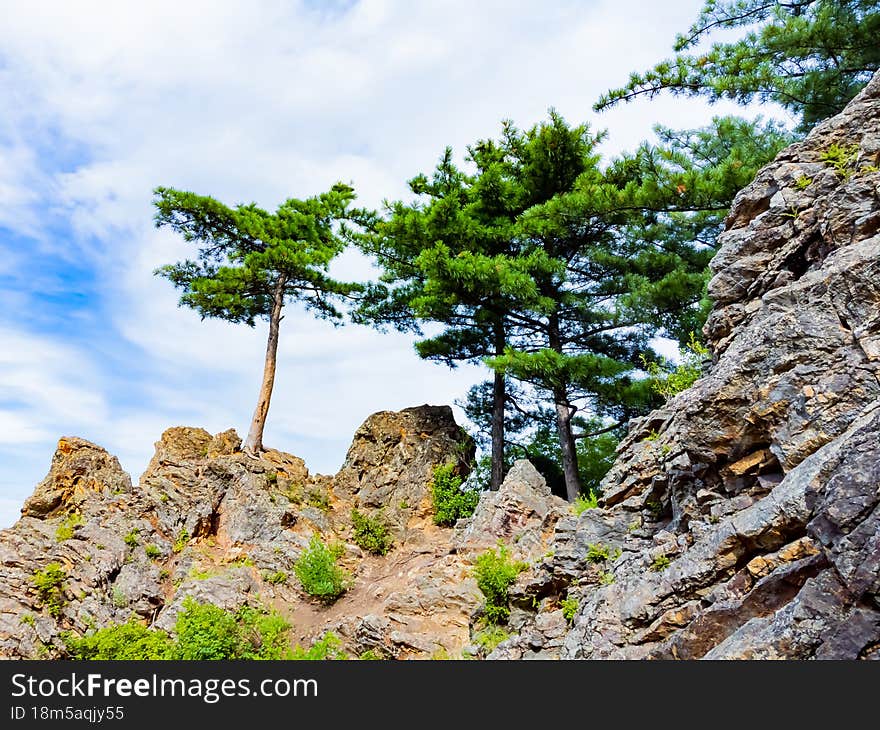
(739, 521)
(742, 519)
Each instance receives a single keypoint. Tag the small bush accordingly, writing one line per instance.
(202, 631)
(327, 647)
(597, 552)
(607, 578)
(131, 640)
(669, 380)
(569, 608)
(131, 539)
(451, 502)
(585, 502)
(318, 572)
(119, 599)
(490, 637)
(275, 578)
(181, 541)
(49, 584)
(152, 551)
(68, 526)
(661, 563)
(319, 498)
(370, 533)
(494, 572)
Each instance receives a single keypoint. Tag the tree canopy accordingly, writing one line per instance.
(810, 56)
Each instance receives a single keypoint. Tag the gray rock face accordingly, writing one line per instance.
(750, 527)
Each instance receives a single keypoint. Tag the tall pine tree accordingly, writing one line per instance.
(250, 263)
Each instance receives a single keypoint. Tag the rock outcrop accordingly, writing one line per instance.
(743, 519)
(210, 523)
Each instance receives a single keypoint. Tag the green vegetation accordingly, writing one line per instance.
(451, 502)
(585, 502)
(669, 379)
(494, 572)
(181, 541)
(327, 647)
(490, 637)
(810, 56)
(803, 182)
(661, 563)
(606, 578)
(201, 631)
(197, 573)
(598, 552)
(844, 160)
(119, 599)
(28, 619)
(68, 526)
(131, 539)
(49, 583)
(569, 608)
(276, 578)
(370, 533)
(251, 262)
(319, 498)
(318, 572)
(152, 551)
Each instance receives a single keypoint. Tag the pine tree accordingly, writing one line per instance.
(250, 263)
(810, 56)
(449, 257)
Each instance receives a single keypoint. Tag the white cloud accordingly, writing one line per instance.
(260, 101)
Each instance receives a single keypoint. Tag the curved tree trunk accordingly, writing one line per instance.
(499, 400)
(254, 442)
(564, 413)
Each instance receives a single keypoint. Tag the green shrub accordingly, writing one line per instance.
(49, 584)
(319, 498)
(275, 578)
(590, 500)
(490, 637)
(569, 608)
(661, 563)
(318, 572)
(451, 502)
(607, 578)
(119, 599)
(68, 525)
(327, 647)
(130, 640)
(494, 572)
(597, 552)
(202, 631)
(181, 541)
(370, 533)
(370, 655)
(152, 551)
(131, 539)
(669, 380)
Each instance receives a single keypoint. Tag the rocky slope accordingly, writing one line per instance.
(746, 511)
(207, 522)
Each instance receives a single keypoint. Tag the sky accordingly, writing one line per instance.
(252, 101)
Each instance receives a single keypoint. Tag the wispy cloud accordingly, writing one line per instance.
(247, 101)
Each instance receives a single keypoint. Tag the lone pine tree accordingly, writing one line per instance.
(250, 263)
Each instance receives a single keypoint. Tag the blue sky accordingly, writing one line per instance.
(250, 101)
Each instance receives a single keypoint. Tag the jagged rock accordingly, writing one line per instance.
(748, 523)
(79, 470)
(391, 461)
